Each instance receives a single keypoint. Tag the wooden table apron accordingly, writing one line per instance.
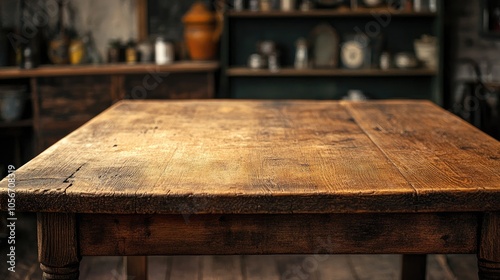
(265, 177)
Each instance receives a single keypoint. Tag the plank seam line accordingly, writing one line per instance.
(70, 178)
(347, 107)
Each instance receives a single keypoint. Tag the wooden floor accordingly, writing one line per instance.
(329, 267)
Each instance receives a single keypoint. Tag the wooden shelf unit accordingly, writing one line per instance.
(16, 124)
(76, 93)
(244, 29)
(107, 69)
(291, 72)
(329, 13)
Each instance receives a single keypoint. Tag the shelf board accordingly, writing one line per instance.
(360, 12)
(291, 72)
(108, 69)
(15, 124)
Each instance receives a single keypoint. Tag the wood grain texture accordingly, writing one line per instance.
(360, 12)
(66, 103)
(489, 247)
(69, 102)
(318, 72)
(108, 69)
(274, 157)
(117, 87)
(137, 267)
(142, 19)
(157, 85)
(58, 251)
(278, 234)
(448, 162)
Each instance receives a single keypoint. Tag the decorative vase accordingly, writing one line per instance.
(59, 45)
(202, 29)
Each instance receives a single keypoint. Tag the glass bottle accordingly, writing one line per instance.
(59, 45)
(301, 54)
(114, 51)
(131, 52)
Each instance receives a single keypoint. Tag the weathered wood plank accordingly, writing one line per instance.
(66, 103)
(447, 161)
(109, 69)
(117, 89)
(265, 157)
(216, 157)
(164, 85)
(278, 234)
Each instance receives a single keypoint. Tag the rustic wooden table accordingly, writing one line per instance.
(265, 177)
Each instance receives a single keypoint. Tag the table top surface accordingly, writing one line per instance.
(274, 157)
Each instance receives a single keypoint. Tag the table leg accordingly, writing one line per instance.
(414, 267)
(137, 267)
(488, 255)
(58, 252)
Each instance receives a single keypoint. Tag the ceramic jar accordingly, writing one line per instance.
(201, 32)
(164, 51)
(12, 99)
(287, 5)
(426, 50)
(59, 49)
(256, 61)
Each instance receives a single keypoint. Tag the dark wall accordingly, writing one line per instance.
(463, 40)
(465, 45)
